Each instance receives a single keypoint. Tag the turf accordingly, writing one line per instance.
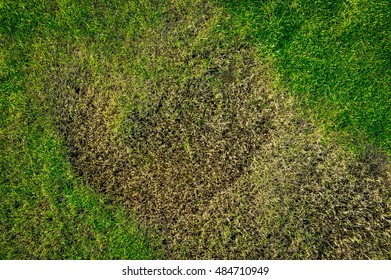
(46, 211)
(199, 118)
(334, 56)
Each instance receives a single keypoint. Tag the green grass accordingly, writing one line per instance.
(334, 56)
(180, 114)
(46, 211)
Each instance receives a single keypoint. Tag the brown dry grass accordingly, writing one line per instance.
(195, 139)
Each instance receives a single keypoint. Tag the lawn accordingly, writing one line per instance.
(195, 130)
(334, 56)
(46, 211)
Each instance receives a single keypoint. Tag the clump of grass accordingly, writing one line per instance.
(180, 121)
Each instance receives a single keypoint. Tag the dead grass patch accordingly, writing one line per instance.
(192, 136)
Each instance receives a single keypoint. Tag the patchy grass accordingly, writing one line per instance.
(172, 111)
(334, 56)
(46, 212)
